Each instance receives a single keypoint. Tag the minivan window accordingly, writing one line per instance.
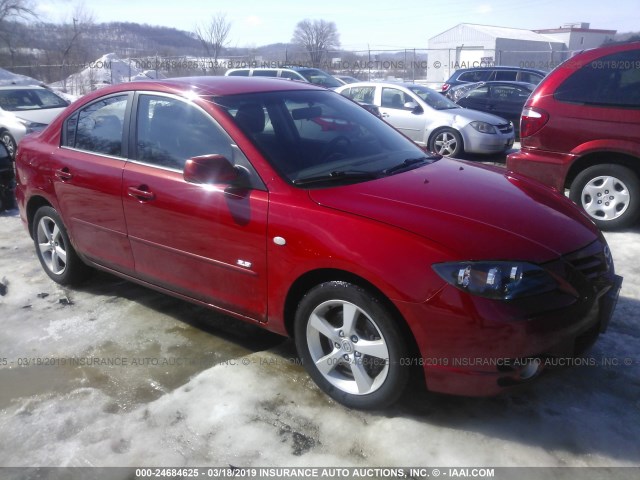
(613, 80)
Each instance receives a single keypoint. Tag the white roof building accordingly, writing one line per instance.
(469, 45)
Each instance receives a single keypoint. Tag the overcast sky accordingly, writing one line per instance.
(404, 24)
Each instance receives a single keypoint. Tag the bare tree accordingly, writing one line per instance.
(10, 10)
(317, 37)
(213, 35)
(81, 23)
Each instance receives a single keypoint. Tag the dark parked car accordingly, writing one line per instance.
(7, 182)
(488, 74)
(580, 131)
(287, 205)
(504, 99)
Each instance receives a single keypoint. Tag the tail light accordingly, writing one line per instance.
(445, 87)
(532, 120)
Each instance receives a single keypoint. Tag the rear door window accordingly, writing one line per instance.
(98, 127)
(474, 76)
(504, 75)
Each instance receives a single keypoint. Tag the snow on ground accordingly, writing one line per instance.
(194, 388)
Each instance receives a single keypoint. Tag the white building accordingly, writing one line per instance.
(469, 45)
(578, 36)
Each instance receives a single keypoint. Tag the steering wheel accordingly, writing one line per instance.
(340, 145)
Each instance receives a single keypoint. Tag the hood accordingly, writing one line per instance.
(475, 115)
(474, 212)
(45, 115)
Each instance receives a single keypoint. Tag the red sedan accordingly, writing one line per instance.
(290, 206)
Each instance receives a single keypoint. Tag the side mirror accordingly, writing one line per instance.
(210, 169)
(413, 106)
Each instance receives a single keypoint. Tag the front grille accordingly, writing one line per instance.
(592, 262)
(505, 127)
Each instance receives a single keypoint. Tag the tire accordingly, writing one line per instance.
(54, 250)
(358, 360)
(609, 193)
(446, 142)
(9, 142)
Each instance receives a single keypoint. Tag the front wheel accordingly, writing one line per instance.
(55, 252)
(351, 345)
(9, 143)
(446, 142)
(609, 193)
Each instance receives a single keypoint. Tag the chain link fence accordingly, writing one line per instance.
(426, 66)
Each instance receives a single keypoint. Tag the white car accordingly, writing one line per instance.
(26, 109)
(432, 120)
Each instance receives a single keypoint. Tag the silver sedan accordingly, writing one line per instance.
(26, 109)
(432, 120)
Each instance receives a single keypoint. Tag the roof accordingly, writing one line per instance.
(503, 32)
(213, 86)
(575, 29)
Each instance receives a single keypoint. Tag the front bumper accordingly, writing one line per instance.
(474, 346)
(484, 143)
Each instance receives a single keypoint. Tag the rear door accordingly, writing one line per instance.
(87, 178)
(202, 241)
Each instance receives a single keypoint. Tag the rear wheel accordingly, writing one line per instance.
(609, 193)
(351, 346)
(55, 252)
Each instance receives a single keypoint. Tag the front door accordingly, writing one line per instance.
(392, 108)
(201, 241)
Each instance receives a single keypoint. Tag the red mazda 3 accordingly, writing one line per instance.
(290, 206)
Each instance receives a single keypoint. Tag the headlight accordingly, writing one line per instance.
(483, 127)
(32, 126)
(497, 280)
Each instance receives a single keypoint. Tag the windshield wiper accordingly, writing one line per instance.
(337, 177)
(408, 164)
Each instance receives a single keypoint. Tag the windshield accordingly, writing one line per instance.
(321, 135)
(30, 99)
(318, 77)
(432, 98)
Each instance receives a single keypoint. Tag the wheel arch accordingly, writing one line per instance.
(33, 205)
(599, 158)
(315, 277)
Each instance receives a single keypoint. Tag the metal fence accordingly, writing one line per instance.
(426, 66)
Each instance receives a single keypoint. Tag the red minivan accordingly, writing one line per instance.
(580, 130)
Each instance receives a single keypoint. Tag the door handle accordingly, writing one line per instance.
(64, 174)
(385, 115)
(141, 193)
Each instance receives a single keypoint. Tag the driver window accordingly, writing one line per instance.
(394, 98)
(170, 131)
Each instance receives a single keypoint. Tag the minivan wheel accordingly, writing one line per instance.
(55, 252)
(446, 142)
(609, 193)
(351, 346)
